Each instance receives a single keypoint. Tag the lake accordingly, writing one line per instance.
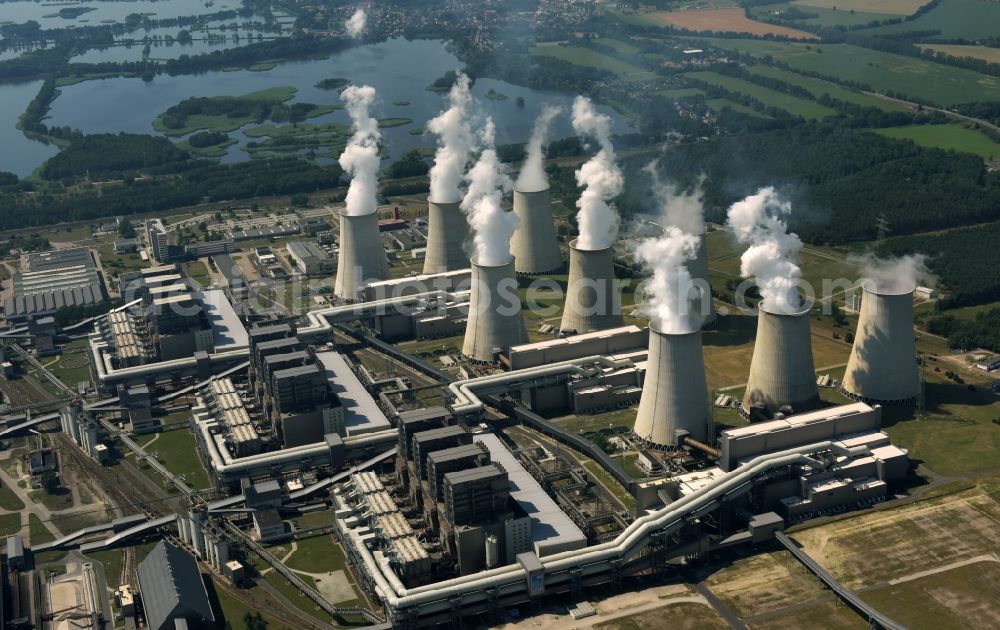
(47, 14)
(399, 69)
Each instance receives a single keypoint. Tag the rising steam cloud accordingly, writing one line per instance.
(680, 209)
(355, 25)
(455, 143)
(532, 177)
(600, 178)
(893, 275)
(772, 252)
(492, 226)
(360, 158)
(668, 297)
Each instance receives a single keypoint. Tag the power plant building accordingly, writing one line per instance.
(883, 365)
(534, 244)
(172, 589)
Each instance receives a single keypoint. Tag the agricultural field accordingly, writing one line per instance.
(581, 56)
(883, 72)
(617, 44)
(729, 20)
(823, 17)
(968, 19)
(680, 93)
(719, 104)
(890, 7)
(771, 98)
(991, 55)
(952, 137)
(818, 87)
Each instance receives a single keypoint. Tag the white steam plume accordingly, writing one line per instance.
(600, 178)
(772, 253)
(532, 177)
(893, 275)
(360, 157)
(493, 226)
(455, 143)
(684, 210)
(355, 25)
(668, 299)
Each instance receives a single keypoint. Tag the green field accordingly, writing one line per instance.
(581, 56)
(617, 44)
(39, 533)
(719, 104)
(680, 93)
(954, 137)
(9, 501)
(957, 598)
(991, 55)
(177, 451)
(968, 19)
(818, 87)
(771, 98)
(884, 72)
(824, 16)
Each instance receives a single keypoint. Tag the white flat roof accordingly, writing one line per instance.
(565, 341)
(361, 412)
(550, 526)
(799, 419)
(228, 332)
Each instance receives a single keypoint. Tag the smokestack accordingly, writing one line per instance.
(781, 371)
(698, 268)
(495, 322)
(447, 232)
(674, 391)
(534, 245)
(362, 257)
(592, 300)
(883, 366)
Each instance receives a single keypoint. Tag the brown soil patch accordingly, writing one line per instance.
(725, 20)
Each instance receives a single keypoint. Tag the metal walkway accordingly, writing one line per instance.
(874, 617)
(28, 424)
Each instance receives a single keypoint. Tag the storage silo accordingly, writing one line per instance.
(495, 322)
(883, 365)
(674, 399)
(592, 298)
(447, 233)
(534, 244)
(362, 257)
(781, 371)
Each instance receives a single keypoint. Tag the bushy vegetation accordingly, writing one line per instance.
(982, 331)
(204, 139)
(412, 164)
(112, 155)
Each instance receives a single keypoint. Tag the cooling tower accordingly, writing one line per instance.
(883, 365)
(592, 298)
(674, 392)
(698, 268)
(495, 322)
(781, 371)
(534, 244)
(362, 257)
(447, 232)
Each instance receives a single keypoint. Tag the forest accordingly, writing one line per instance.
(982, 331)
(112, 156)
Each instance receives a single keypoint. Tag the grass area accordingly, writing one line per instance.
(818, 87)
(39, 533)
(9, 502)
(722, 20)
(214, 151)
(72, 366)
(581, 56)
(317, 554)
(10, 523)
(232, 610)
(291, 593)
(617, 44)
(330, 137)
(952, 137)
(598, 421)
(817, 16)
(891, 7)
(112, 561)
(116, 263)
(679, 616)
(611, 484)
(177, 451)
(719, 104)
(882, 71)
(770, 98)
(198, 272)
(386, 123)
(680, 93)
(760, 583)
(991, 55)
(61, 500)
(829, 615)
(967, 19)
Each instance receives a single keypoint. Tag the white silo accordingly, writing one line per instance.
(674, 391)
(534, 244)
(883, 365)
(592, 298)
(495, 322)
(447, 233)
(781, 371)
(362, 257)
(698, 268)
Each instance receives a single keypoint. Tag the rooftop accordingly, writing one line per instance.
(361, 413)
(228, 332)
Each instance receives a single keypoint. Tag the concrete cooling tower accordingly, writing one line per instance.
(781, 371)
(883, 365)
(534, 244)
(447, 232)
(592, 298)
(674, 391)
(495, 322)
(698, 268)
(362, 257)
